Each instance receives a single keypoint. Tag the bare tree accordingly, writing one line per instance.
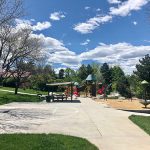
(18, 46)
(10, 10)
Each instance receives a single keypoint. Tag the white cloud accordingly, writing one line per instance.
(39, 26)
(87, 7)
(85, 42)
(92, 24)
(57, 16)
(126, 7)
(114, 1)
(123, 54)
(98, 9)
(123, 9)
(135, 23)
(57, 52)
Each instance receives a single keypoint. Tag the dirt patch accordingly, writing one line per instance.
(124, 104)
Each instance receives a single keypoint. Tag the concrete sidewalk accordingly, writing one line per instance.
(107, 128)
(116, 130)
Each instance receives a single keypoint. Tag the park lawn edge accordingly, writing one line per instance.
(142, 122)
(44, 141)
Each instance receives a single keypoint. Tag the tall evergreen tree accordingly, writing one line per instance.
(61, 73)
(106, 73)
(89, 69)
(143, 68)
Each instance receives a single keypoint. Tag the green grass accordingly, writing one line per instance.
(142, 121)
(30, 91)
(6, 97)
(43, 142)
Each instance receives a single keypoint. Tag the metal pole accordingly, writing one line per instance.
(71, 91)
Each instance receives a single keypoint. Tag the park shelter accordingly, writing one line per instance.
(63, 84)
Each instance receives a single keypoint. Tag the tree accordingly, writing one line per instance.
(143, 68)
(82, 72)
(117, 73)
(135, 85)
(17, 45)
(21, 72)
(106, 73)
(17, 48)
(97, 71)
(9, 11)
(123, 87)
(61, 73)
(143, 71)
(42, 75)
(89, 69)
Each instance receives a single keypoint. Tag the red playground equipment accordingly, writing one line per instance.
(76, 91)
(101, 90)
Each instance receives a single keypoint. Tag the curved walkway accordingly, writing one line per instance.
(106, 127)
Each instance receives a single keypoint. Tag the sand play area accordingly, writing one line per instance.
(126, 104)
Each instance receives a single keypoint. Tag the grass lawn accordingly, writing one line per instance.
(30, 91)
(6, 97)
(142, 121)
(43, 142)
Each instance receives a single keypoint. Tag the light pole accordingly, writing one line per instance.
(145, 84)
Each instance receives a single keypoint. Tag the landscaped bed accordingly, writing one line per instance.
(6, 97)
(142, 121)
(43, 142)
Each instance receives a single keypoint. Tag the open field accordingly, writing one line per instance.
(43, 142)
(142, 121)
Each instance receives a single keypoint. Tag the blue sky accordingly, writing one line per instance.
(77, 32)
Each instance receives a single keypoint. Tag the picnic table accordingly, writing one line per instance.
(59, 97)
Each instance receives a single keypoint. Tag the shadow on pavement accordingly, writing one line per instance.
(67, 101)
(137, 111)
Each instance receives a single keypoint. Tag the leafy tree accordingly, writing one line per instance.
(106, 73)
(82, 72)
(143, 71)
(117, 73)
(41, 76)
(97, 71)
(135, 85)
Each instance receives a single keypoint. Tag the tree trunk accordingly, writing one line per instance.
(16, 88)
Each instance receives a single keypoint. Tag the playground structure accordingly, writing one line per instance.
(90, 87)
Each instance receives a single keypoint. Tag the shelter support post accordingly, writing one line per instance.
(71, 91)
